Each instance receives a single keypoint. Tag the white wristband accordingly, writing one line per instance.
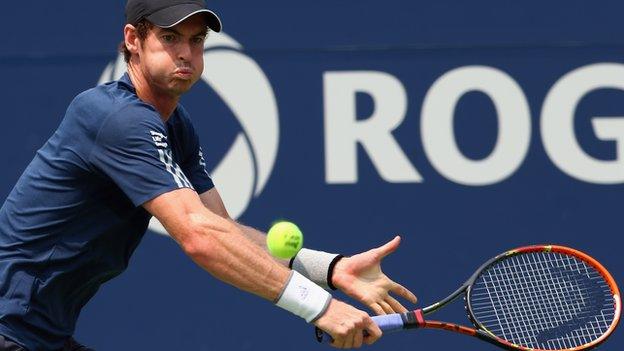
(303, 298)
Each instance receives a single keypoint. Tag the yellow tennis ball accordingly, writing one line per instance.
(284, 239)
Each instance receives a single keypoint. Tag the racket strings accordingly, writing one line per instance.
(549, 301)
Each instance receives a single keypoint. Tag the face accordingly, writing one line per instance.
(171, 59)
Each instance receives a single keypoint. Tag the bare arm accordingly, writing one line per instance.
(213, 201)
(217, 244)
(359, 276)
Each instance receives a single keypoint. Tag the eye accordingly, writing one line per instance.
(168, 38)
(199, 40)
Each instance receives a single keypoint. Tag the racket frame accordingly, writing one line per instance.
(482, 332)
(416, 319)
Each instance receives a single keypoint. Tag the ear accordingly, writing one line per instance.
(131, 39)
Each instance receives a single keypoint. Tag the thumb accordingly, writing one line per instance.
(389, 247)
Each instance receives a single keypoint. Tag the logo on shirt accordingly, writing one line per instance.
(202, 162)
(160, 140)
(246, 167)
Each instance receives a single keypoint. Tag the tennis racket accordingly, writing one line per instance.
(533, 298)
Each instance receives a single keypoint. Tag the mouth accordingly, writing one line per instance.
(183, 72)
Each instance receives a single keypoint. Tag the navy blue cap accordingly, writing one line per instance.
(168, 13)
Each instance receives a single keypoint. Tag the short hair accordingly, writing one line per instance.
(142, 27)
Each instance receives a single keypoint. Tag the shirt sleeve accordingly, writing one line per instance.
(195, 166)
(131, 148)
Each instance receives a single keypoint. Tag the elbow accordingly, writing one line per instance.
(195, 248)
(195, 242)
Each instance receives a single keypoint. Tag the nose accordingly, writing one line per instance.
(184, 51)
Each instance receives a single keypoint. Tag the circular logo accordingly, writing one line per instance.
(237, 79)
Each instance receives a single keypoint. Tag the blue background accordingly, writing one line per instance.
(52, 50)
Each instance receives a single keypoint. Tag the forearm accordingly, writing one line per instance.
(316, 265)
(312, 264)
(219, 245)
(230, 256)
(234, 256)
(259, 238)
(212, 200)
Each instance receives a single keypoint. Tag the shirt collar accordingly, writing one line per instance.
(125, 79)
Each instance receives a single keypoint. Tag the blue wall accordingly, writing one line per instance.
(451, 218)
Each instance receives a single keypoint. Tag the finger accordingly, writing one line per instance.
(338, 343)
(373, 331)
(358, 338)
(403, 292)
(377, 309)
(396, 305)
(386, 307)
(389, 247)
(349, 339)
(338, 339)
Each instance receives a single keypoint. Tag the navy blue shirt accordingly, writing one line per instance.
(74, 217)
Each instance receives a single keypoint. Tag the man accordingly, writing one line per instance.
(126, 151)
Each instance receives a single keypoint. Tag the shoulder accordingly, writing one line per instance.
(103, 96)
(131, 120)
(134, 113)
(110, 103)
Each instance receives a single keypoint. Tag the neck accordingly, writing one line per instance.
(164, 103)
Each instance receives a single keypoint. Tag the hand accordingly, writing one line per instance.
(346, 325)
(360, 277)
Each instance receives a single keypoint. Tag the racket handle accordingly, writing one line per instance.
(387, 323)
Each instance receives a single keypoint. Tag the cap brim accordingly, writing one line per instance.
(174, 15)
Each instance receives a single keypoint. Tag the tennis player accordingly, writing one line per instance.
(126, 151)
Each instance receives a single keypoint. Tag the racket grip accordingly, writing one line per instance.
(387, 323)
